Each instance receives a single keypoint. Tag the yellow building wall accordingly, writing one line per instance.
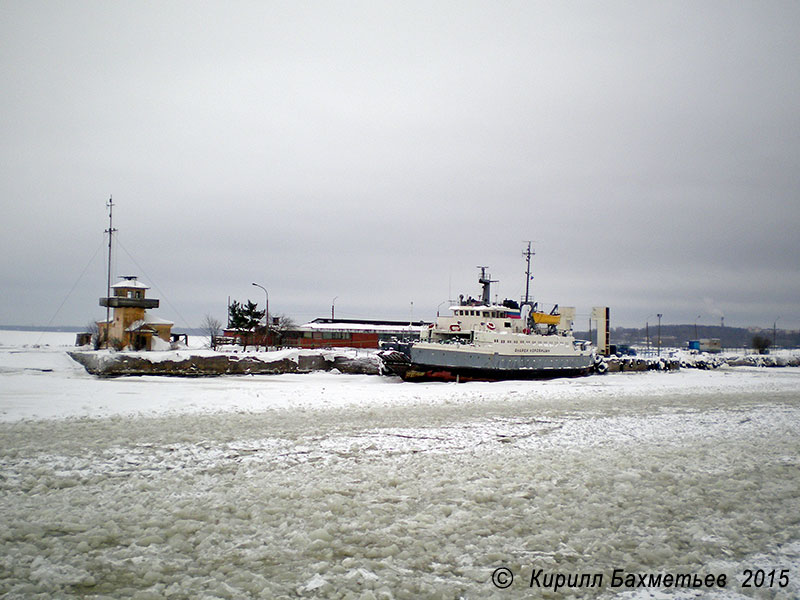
(122, 319)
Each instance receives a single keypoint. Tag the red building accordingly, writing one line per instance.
(330, 333)
(350, 333)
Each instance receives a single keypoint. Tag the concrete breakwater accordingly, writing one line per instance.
(205, 363)
(616, 364)
(190, 364)
(704, 361)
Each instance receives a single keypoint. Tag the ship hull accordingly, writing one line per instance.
(418, 372)
(429, 363)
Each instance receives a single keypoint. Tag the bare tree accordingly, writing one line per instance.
(93, 328)
(211, 328)
(761, 343)
(281, 324)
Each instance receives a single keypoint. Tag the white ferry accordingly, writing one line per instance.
(481, 340)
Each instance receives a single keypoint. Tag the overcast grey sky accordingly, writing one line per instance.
(377, 152)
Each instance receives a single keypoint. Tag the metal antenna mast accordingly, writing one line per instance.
(110, 231)
(527, 254)
(485, 280)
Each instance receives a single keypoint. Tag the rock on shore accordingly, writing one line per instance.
(185, 363)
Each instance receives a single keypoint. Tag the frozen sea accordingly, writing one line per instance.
(339, 486)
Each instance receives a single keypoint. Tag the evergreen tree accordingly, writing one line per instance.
(245, 318)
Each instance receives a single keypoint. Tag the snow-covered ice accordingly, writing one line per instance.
(337, 486)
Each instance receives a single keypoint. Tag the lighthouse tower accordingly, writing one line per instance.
(131, 325)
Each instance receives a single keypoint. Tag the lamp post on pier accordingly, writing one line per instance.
(266, 315)
(659, 315)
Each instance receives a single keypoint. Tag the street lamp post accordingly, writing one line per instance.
(695, 327)
(774, 331)
(333, 302)
(266, 313)
(659, 315)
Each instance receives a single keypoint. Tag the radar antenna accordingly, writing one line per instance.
(485, 280)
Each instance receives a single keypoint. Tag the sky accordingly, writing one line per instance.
(368, 156)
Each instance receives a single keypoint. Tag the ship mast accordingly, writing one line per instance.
(110, 231)
(485, 280)
(527, 254)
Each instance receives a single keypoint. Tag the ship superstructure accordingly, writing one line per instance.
(481, 340)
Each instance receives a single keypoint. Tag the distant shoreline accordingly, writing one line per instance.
(58, 329)
(74, 329)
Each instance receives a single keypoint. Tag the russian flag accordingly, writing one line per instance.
(513, 315)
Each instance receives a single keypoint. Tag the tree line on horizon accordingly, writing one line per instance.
(677, 336)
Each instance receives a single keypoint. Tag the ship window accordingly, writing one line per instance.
(507, 324)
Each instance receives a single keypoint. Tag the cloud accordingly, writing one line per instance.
(381, 152)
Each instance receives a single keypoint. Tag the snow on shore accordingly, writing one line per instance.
(334, 486)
